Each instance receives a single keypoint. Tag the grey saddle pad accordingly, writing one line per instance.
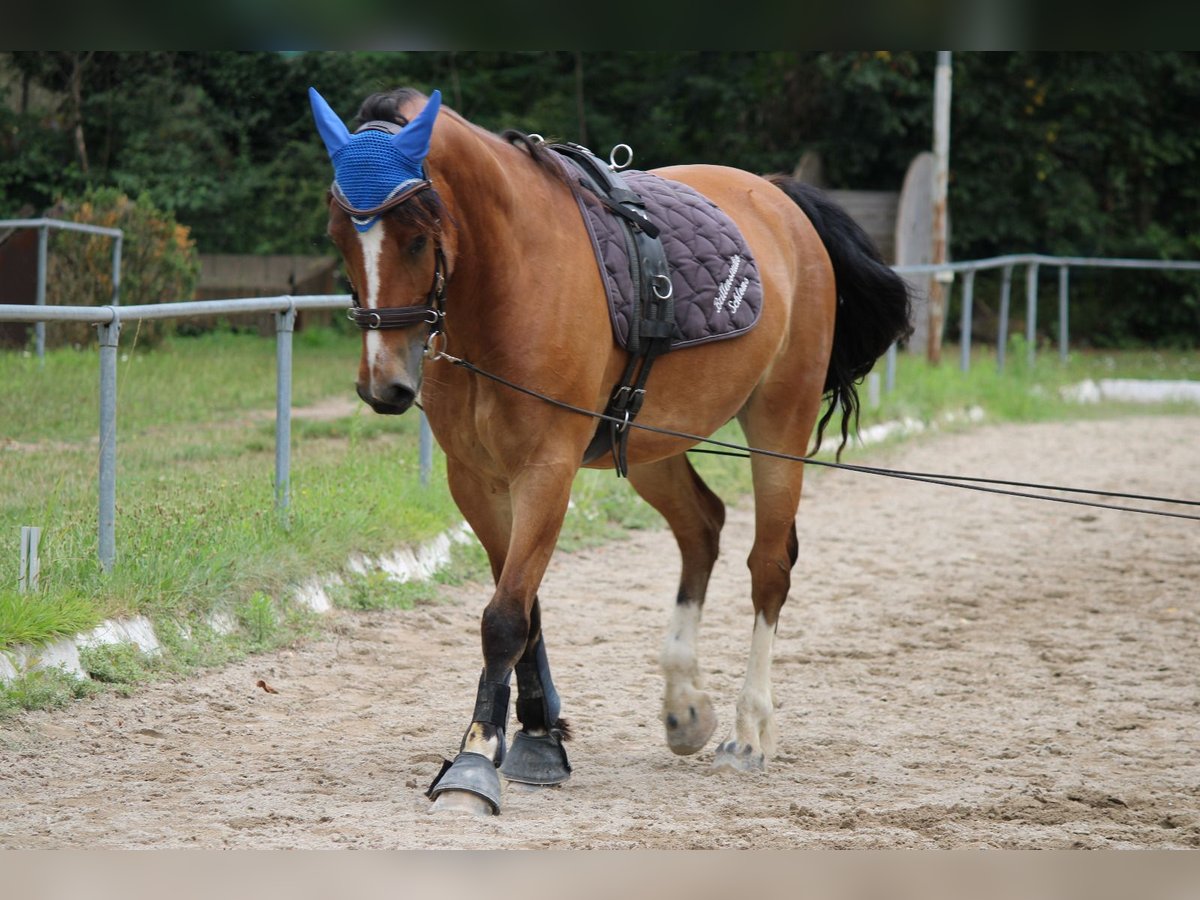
(718, 293)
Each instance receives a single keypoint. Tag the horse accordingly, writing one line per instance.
(465, 245)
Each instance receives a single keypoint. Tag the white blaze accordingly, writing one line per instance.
(371, 241)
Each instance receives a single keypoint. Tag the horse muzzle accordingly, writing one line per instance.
(389, 399)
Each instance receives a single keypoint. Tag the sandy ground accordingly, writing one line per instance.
(953, 670)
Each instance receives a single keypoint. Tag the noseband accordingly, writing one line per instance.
(432, 312)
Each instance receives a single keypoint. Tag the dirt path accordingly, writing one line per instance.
(953, 670)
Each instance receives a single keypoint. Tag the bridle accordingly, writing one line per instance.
(433, 312)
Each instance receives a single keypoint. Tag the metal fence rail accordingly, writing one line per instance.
(1033, 262)
(44, 226)
(109, 320)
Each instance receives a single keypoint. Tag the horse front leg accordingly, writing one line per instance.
(537, 755)
(539, 497)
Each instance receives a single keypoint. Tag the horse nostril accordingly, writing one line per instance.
(398, 396)
(672, 722)
(390, 399)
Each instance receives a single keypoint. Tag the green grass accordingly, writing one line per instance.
(196, 526)
(124, 665)
(1023, 393)
(44, 689)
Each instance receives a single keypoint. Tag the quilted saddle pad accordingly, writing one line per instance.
(718, 292)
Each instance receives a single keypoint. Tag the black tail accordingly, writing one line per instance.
(873, 302)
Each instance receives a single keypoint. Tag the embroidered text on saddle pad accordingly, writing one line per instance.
(718, 293)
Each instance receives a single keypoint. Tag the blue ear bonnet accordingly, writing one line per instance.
(372, 166)
(369, 172)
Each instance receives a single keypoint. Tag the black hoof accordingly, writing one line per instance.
(470, 772)
(540, 759)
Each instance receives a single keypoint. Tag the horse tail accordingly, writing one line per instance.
(873, 302)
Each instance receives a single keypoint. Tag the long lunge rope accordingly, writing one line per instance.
(963, 482)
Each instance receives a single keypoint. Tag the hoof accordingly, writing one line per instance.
(735, 757)
(536, 759)
(470, 784)
(689, 727)
(461, 803)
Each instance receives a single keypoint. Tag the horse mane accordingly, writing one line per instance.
(425, 210)
(384, 106)
(537, 151)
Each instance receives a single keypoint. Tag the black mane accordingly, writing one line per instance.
(425, 210)
(384, 106)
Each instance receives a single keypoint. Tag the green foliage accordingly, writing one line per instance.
(52, 688)
(377, 590)
(257, 616)
(118, 664)
(38, 617)
(1069, 153)
(158, 259)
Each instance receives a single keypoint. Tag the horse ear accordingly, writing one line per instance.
(413, 140)
(333, 131)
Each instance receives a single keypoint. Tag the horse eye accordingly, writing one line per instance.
(417, 244)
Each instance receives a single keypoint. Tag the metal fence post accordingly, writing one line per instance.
(39, 328)
(285, 324)
(1002, 334)
(889, 381)
(1031, 298)
(31, 566)
(109, 335)
(426, 450)
(965, 339)
(1063, 324)
(116, 270)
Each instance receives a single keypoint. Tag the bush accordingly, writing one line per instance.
(158, 260)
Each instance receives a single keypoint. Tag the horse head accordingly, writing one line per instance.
(385, 219)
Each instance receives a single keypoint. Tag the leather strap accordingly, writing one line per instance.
(652, 322)
(432, 312)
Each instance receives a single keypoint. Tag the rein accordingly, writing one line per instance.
(963, 482)
(433, 313)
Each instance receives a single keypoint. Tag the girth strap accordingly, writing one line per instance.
(652, 323)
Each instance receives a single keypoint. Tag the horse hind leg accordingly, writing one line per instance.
(777, 486)
(695, 515)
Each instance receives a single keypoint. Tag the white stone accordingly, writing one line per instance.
(222, 622)
(314, 593)
(1130, 390)
(138, 631)
(62, 654)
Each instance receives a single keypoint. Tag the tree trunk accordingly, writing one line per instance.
(579, 97)
(79, 60)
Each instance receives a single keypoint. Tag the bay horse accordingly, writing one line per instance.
(461, 244)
